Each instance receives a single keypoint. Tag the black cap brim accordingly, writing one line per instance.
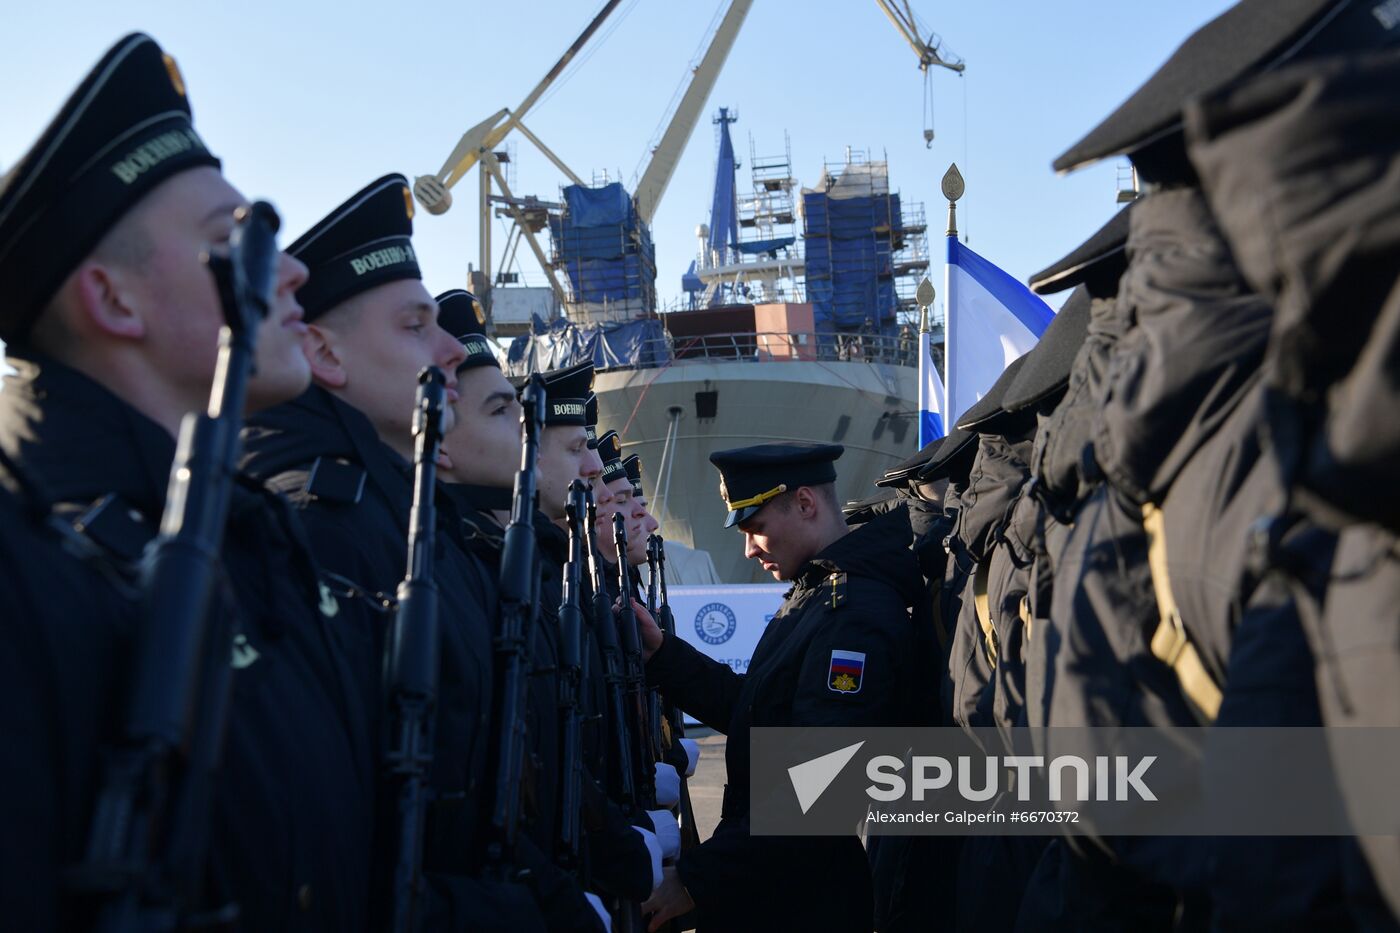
(1250, 37)
(736, 516)
(900, 474)
(989, 405)
(1099, 261)
(957, 448)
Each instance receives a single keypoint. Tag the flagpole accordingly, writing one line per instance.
(924, 296)
(953, 189)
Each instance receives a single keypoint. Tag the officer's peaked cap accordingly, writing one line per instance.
(1250, 37)
(750, 477)
(362, 244)
(126, 129)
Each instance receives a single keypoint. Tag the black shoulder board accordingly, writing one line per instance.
(115, 526)
(335, 481)
(838, 589)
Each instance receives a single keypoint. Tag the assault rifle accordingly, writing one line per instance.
(519, 612)
(639, 724)
(656, 592)
(148, 842)
(412, 670)
(628, 918)
(571, 629)
(624, 787)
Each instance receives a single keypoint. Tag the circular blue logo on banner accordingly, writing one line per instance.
(715, 623)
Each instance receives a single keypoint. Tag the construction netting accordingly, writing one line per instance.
(604, 248)
(851, 230)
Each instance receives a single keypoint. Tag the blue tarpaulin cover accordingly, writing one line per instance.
(690, 282)
(849, 260)
(605, 249)
(754, 247)
(608, 346)
(608, 205)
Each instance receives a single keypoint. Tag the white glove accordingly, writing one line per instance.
(654, 849)
(668, 832)
(692, 755)
(668, 785)
(596, 903)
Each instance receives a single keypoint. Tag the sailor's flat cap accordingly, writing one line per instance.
(633, 466)
(610, 452)
(750, 477)
(459, 313)
(364, 243)
(126, 129)
(590, 420)
(568, 391)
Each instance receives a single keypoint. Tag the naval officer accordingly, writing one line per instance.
(838, 653)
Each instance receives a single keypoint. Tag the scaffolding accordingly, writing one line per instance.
(606, 254)
(750, 252)
(865, 249)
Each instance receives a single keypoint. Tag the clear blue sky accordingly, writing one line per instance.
(308, 101)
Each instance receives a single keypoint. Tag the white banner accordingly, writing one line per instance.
(725, 622)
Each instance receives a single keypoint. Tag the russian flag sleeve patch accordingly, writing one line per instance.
(847, 671)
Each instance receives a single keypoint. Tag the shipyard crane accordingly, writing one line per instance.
(931, 52)
(477, 148)
(667, 153)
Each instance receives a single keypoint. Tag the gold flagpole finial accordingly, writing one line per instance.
(924, 297)
(953, 188)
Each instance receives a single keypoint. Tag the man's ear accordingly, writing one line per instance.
(106, 299)
(319, 346)
(806, 502)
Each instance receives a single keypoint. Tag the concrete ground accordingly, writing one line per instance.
(707, 785)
